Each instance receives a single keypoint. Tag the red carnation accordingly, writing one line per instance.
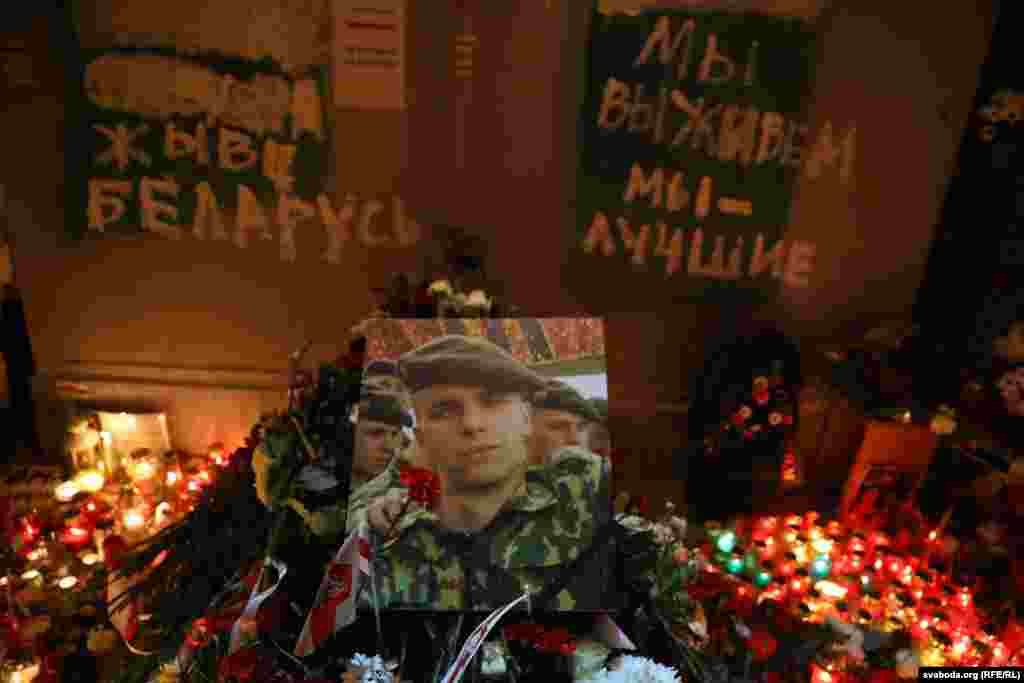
(738, 419)
(762, 645)
(423, 484)
(762, 397)
(199, 635)
(787, 419)
(555, 640)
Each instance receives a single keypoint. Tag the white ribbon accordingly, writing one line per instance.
(255, 600)
(476, 640)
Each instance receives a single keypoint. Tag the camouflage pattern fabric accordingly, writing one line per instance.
(530, 541)
(363, 492)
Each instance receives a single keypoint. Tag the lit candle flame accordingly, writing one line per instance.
(90, 559)
(66, 491)
(133, 519)
(91, 481)
(822, 546)
(30, 574)
(172, 478)
(24, 673)
(67, 582)
(831, 589)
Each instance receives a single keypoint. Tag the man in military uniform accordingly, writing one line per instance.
(500, 527)
(598, 439)
(560, 419)
(379, 439)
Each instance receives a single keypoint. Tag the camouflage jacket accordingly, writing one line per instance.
(527, 545)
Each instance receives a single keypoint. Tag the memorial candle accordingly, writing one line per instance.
(75, 537)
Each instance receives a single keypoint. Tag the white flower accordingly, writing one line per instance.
(370, 669)
(743, 631)
(441, 287)
(630, 669)
(634, 523)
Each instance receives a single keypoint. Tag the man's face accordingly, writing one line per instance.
(376, 444)
(555, 429)
(474, 437)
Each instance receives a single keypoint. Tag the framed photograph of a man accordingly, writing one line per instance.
(498, 490)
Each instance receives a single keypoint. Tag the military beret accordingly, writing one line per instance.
(559, 396)
(386, 409)
(473, 361)
(381, 368)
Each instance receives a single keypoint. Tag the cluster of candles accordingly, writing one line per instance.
(149, 496)
(820, 570)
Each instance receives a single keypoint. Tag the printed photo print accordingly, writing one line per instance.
(481, 467)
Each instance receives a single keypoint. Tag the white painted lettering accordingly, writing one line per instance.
(156, 215)
(235, 151)
(250, 218)
(773, 135)
(615, 101)
(599, 235)
(277, 165)
(826, 153)
(715, 61)
(661, 39)
(291, 212)
(737, 135)
(371, 208)
(179, 144)
(671, 249)
(643, 186)
(635, 242)
(761, 261)
(338, 225)
(208, 216)
(107, 201)
(799, 264)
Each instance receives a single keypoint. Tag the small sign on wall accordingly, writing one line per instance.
(369, 54)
